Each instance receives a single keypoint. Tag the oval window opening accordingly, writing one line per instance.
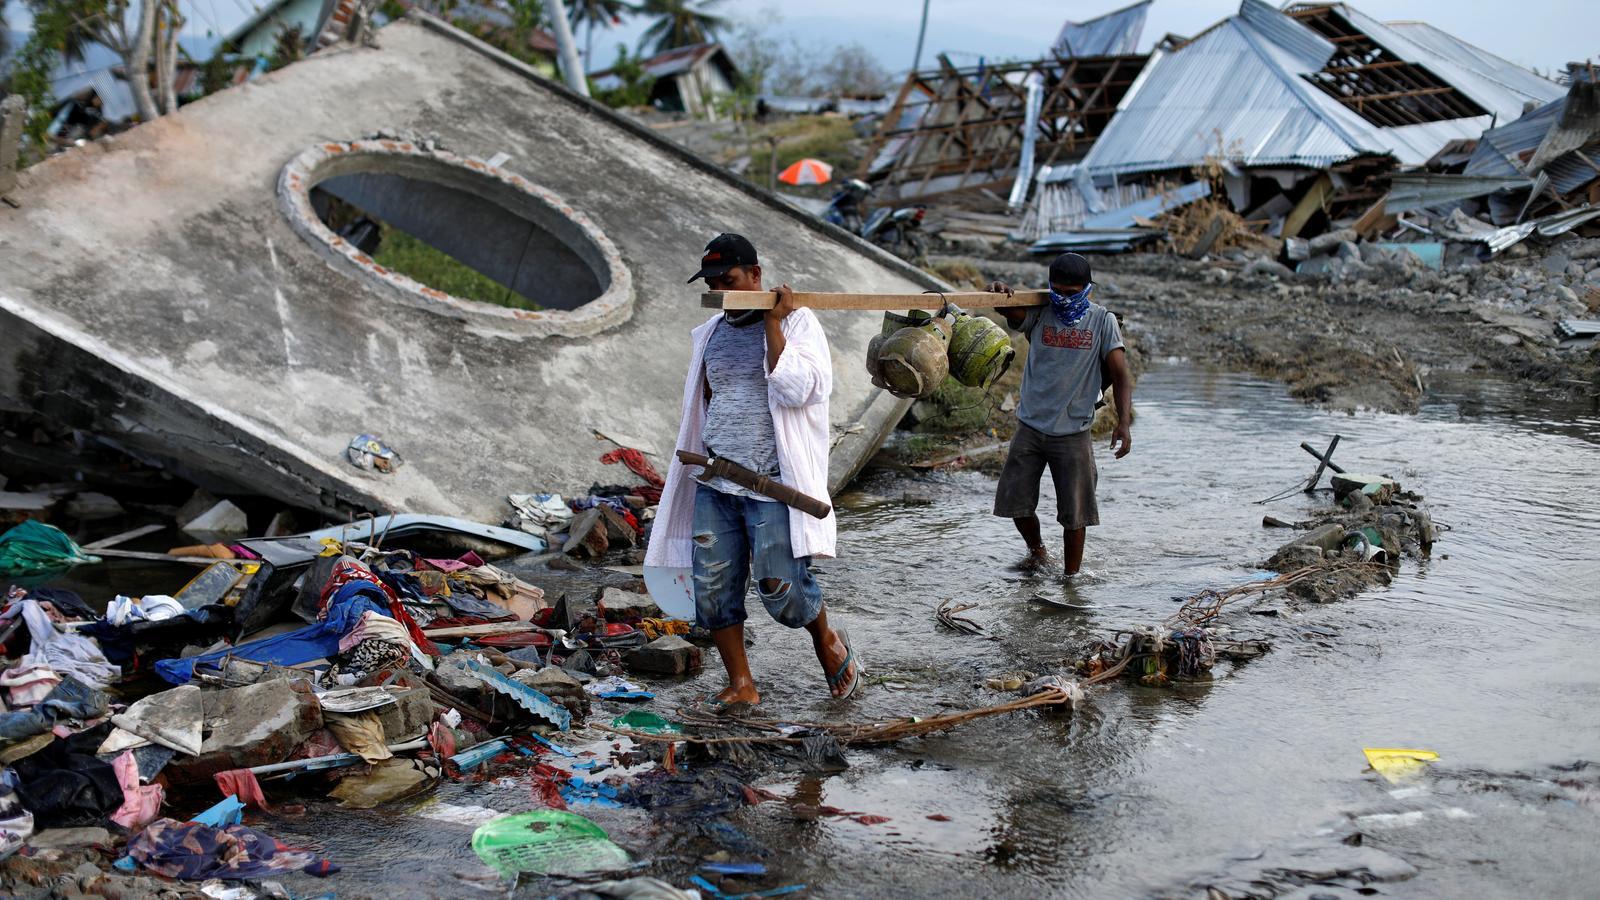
(458, 235)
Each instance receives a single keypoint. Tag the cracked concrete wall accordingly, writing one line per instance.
(200, 319)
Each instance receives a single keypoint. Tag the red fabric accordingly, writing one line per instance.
(442, 740)
(242, 784)
(547, 781)
(641, 467)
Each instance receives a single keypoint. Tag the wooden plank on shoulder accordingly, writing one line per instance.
(932, 302)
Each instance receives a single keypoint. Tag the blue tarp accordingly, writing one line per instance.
(318, 641)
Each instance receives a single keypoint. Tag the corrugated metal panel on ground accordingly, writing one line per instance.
(1421, 190)
(1499, 148)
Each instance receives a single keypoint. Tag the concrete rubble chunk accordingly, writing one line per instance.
(225, 395)
(409, 716)
(222, 519)
(250, 726)
(551, 681)
(1329, 241)
(621, 605)
(666, 655)
(1267, 267)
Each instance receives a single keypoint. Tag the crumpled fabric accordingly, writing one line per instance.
(68, 605)
(33, 548)
(69, 700)
(66, 653)
(242, 783)
(317, 641)
(16, 823)
(195, 852)
(65, 785)
(468, 560)
(152, 608)
(28, 684)
(641, 467)
(375, 626)
(140, 803)
(361, 734)
(538, 513)
(352, 578)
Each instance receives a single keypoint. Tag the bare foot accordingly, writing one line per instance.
(831, 652)
(1037, 560)
(732, 694)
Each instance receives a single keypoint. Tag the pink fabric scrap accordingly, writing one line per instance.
(242, 783)
(140, 803)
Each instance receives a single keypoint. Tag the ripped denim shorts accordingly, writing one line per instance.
(735, 537)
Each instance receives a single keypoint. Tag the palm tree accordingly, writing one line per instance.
(590, 13)
(679, 23)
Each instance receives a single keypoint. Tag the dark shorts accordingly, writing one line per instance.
(1071, 462)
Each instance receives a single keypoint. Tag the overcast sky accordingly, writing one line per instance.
(1542, 34)
(1537, 33)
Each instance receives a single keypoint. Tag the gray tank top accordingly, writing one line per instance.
(739, 419)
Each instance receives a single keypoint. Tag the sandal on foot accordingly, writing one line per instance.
(839, 676)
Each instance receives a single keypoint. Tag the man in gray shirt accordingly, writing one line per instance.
(1074, 348)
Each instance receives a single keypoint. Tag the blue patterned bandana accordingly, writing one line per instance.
(1070, 309)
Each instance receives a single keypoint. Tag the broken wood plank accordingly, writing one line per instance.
(1314, 199)
(1375, 221)
(163, 557)
(932, 302)
(478, 630)
(124, 537)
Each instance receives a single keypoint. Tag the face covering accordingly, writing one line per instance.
(744, 317)
(1070, 309)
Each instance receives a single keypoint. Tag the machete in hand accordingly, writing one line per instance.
(717, 467)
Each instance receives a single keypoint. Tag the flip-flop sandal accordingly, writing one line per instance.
(844, 668)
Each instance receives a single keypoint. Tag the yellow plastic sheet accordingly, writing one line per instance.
(1397, 764)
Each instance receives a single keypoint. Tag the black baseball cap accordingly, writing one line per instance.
(1069, 268)
(723, 253)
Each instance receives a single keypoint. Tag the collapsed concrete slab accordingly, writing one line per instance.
(182, 291)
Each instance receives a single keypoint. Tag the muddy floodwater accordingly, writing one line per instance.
(1485, 653)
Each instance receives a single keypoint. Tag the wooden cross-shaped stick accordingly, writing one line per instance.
(932, 302)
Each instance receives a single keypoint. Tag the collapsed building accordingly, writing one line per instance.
(1288, 103)
(976, 128)
(1302, 117)
(197, 291)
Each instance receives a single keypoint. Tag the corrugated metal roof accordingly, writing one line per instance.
(1113, 34)
(1222, 89)
(1498, 85)
(1308, 50)
(1240, 85)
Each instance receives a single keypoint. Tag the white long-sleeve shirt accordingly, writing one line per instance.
(797, 393)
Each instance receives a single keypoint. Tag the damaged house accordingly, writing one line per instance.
(687, 80)
(209, 291)
(975, 128)
(1290, 103)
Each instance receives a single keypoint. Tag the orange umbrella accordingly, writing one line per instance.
(807, 171)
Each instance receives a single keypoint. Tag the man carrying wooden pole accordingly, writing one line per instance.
(1074, 347)
(756, 395)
